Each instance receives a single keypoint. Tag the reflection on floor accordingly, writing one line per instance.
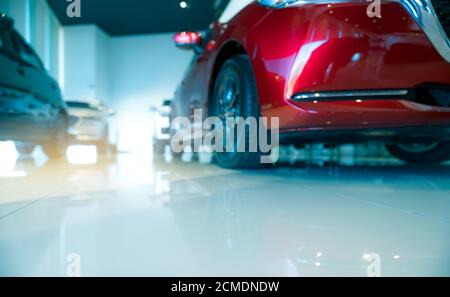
(129, 216)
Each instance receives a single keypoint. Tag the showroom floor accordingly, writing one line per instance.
(127, 216)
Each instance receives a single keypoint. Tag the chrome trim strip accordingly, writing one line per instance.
(348, 95)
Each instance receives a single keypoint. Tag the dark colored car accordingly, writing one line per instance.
(31, 107)
(329, 71)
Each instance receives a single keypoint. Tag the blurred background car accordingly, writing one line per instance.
(91, 125)
(161, 127)
(31, 107)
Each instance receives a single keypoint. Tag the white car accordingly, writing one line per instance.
(91, 126)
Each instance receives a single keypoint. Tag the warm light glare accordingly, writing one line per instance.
(82, 155)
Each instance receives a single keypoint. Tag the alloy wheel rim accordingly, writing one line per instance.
(228, 99)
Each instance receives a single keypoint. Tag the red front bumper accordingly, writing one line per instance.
(322, 48)
(360, 114)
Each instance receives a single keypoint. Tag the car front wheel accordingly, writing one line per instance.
(235, 96)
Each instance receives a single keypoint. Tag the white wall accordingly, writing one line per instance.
(79, 62)
(53, 49)
(147, 67)
(39, 30)
(86, 63)
(145, 70)
(103, 66)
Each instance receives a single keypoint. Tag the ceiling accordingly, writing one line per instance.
(130, 17)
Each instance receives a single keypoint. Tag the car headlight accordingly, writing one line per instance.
(277, 3)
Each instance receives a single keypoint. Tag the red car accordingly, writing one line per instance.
(329, 71)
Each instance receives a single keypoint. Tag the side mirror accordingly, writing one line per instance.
(6, 23)
(188, 40)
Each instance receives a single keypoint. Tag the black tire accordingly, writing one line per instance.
(237, 70)
(437, 153)
(56, 148)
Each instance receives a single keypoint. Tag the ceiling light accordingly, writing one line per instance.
(183, 4)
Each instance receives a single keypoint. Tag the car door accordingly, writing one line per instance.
(43, 87)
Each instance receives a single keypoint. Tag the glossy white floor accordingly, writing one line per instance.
(129, 217)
